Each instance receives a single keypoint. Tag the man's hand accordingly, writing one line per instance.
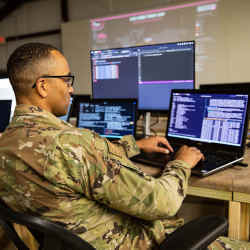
(190, 155)
(154, 144)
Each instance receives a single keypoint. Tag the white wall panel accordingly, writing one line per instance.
(76, 45)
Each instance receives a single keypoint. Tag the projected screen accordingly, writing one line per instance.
(7, 93)
(147, 73)
(198, 20)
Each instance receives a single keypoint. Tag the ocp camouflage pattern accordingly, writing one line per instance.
(86, 183)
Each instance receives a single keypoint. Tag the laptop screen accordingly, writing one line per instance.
(112, 118)
(208, 117)
(5, 107)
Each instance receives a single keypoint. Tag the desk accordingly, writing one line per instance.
(232, 185)
(241, 198)
(219, 186)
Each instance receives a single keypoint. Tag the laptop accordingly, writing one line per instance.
(216, 123)
(111, 118)
(67, 116)
(72, 109)
(75, 101)
(5, 107)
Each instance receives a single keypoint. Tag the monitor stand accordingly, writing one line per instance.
(147, 124)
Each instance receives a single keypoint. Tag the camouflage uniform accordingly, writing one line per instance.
(226, 243)
(75, 177)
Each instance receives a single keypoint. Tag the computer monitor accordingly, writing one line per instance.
(208, 116)
(147, 73)
(72, 109)
(66, 117)
(110, 118)
(240, 86)
(76, 99)
(243, 87)
(5, 107)
(6, 92)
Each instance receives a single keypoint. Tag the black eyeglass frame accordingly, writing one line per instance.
(69, 84)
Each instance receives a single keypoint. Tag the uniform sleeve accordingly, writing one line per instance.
(102, 171)
(129, 145)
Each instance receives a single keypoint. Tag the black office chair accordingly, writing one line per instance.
(197, 234)
(50, 235)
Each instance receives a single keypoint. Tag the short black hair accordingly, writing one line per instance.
(23, 65)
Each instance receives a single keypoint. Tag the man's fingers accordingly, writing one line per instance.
(198, 152)
(164, 143)
(162, 150)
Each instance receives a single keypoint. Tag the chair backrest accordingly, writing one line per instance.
(55, 236)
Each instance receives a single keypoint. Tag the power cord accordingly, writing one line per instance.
(242, 164)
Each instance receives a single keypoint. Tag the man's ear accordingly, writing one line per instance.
(42, 87)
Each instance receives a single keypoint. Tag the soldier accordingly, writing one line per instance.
(75, 177)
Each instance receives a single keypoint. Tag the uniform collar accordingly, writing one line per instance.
(30, 112)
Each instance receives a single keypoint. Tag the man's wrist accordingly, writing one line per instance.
(183, 164)
(138, 144)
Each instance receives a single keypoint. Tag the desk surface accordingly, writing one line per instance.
(232, 185)
(233, 179)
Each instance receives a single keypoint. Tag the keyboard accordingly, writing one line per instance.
(153, 159)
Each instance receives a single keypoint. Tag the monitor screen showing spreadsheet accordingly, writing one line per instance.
(208, 117)
(147, 73)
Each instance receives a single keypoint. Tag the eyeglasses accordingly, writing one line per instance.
(68, 79)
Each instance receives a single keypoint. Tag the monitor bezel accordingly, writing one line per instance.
(224, 86)
(9, 115)
(74, 105)
(3, 75)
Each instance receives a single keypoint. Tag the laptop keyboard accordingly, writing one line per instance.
(211, 161)
(152, 159)
(214, 160)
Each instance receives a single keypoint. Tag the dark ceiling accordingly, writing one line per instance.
(8, 6)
